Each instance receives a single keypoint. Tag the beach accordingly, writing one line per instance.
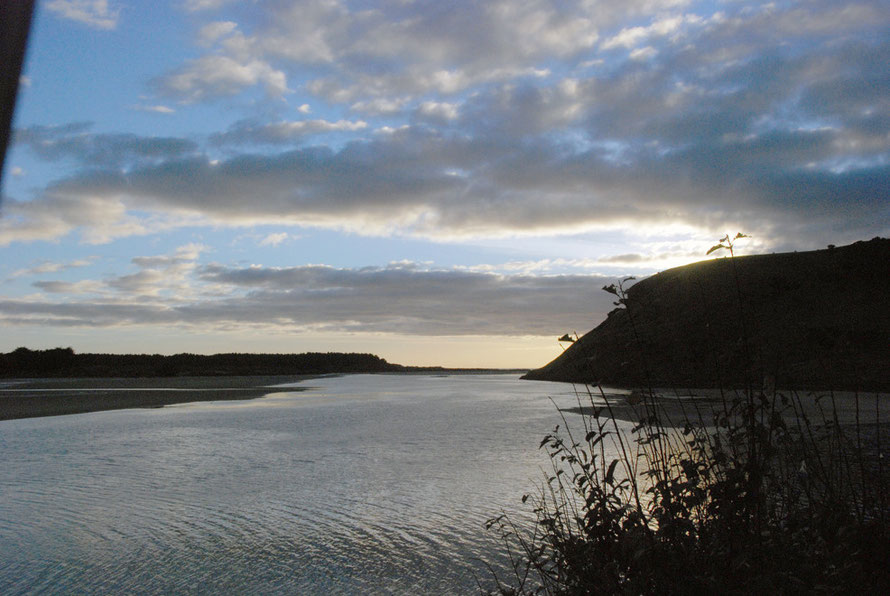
(29, 398)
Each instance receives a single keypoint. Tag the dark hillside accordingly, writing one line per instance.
(814, 320)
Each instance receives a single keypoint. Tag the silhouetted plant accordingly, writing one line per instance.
(765, 493)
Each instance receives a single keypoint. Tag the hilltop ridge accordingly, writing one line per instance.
(810, 320)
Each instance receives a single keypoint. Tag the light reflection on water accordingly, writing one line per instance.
(362, 484)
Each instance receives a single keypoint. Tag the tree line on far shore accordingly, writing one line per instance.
(64, 362)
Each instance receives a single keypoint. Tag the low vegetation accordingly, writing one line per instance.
(743, 503)
(763, 492)
(64, 362)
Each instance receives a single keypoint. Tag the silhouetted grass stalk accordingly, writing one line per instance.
(731, 500)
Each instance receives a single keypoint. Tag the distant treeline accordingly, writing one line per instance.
(64, 362)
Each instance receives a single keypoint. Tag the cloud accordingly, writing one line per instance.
(445, 82)
(50, 267)
(51, 217)
(632, 37)
(381, 106)
(245, 132)
(663, 258)
(213, 32)
(625, 258)
(94, 13)
(373, 58)
(204, 5)
(75, 142)
(215, 76)
(425, 184)
(414, 300)
(158, 109)
(401, 48)
(66, 287)
(439, 110)
(183, 255)
(767, 118)
(274, 239)
(401, 298)
(165, 277)
(643, 53)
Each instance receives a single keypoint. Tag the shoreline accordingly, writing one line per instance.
(844, 407)
(37, 398)
(60, 396)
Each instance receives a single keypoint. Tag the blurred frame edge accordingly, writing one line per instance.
(15, 25)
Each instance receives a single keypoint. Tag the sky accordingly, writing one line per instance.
(438, 183)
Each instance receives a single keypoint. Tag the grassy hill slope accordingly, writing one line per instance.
(812, 320)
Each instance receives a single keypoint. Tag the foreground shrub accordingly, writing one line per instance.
(756, 492)
(746, 502)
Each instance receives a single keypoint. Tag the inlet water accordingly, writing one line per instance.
(362, 484)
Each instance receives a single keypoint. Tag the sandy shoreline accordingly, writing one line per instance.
(31, 398)
(845, 406)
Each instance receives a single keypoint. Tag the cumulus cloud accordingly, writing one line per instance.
(68, 287)
(94, 13)
(165, 278)
(100, 219)
(76, 142)
(381, 106)
(413, 300)
(245, 132)
(768, 118)
(401, 298)
(185, 254)
(205, 5)
(423, 183)
(402, 85)
(439, 110)
(50, 267)
(274, 239)
(402, 48)
(213, 32)
(157, 109)
(643, 53)
(215, 76)
(632, 37)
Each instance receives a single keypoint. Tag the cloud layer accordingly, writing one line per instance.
(502, 119)
(404, 298)
(578, 138)
(516, 118)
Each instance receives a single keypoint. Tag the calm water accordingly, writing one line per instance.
(363, 484)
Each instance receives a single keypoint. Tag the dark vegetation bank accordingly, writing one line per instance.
(64, 362)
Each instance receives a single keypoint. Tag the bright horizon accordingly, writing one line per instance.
(435, 183)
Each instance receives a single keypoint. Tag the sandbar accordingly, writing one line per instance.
(30, 398)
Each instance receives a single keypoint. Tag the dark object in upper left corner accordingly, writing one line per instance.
(15, 24)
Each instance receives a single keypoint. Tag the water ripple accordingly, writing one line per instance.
(375, 485)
